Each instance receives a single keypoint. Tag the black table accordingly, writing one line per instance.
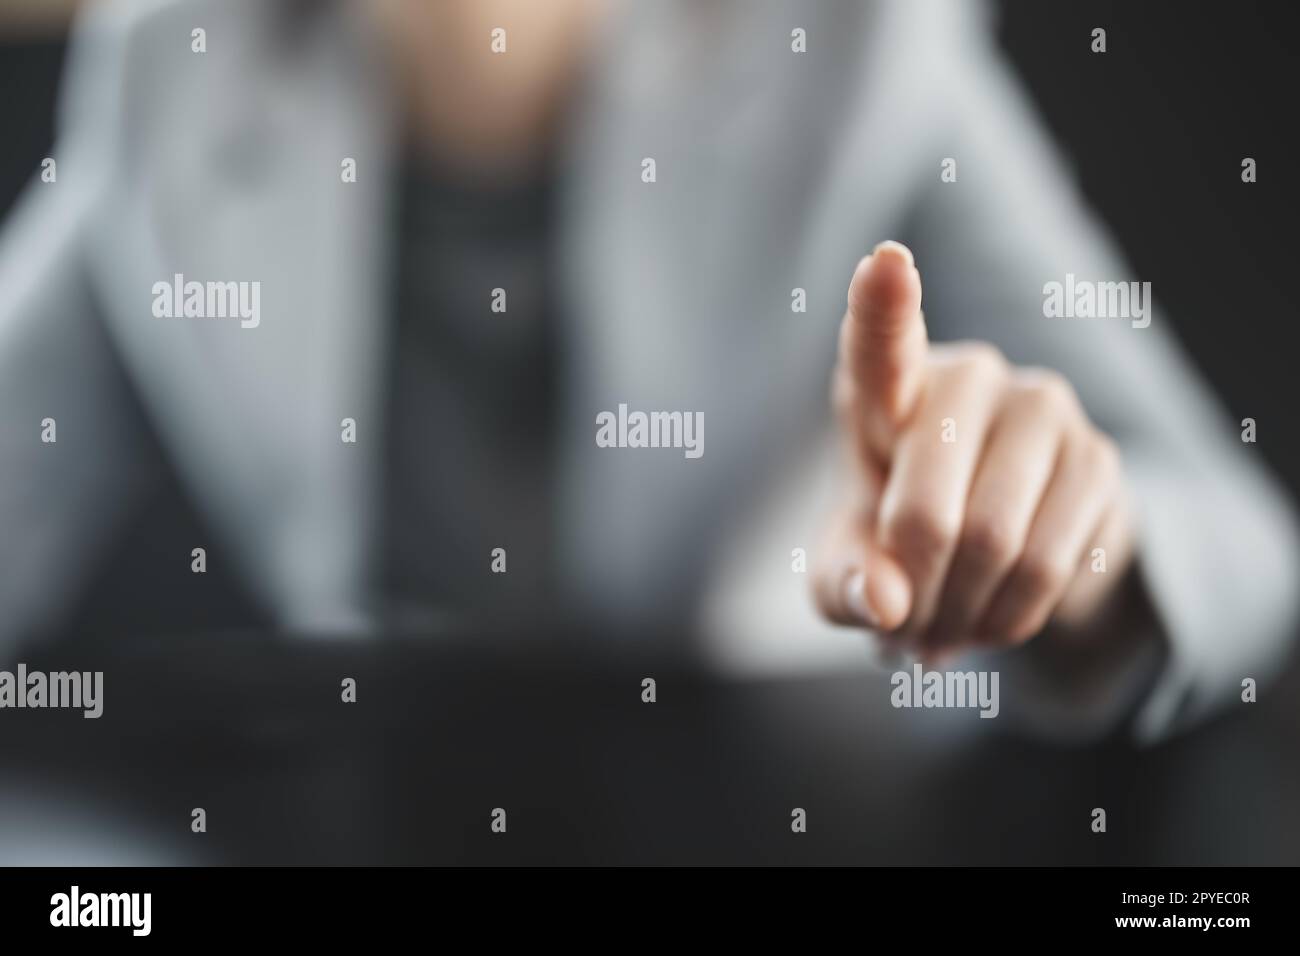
(252, 729)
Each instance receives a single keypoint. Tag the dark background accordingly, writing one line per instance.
(1158, 127)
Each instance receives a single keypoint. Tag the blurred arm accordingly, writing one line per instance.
(60, 501)
(1218, 544)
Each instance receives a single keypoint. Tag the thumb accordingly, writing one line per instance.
(883, 342)
(856, 582)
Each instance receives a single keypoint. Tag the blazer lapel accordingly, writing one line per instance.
(253, 415)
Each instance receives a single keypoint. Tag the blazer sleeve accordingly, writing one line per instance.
(61, 499)
(1218, 546)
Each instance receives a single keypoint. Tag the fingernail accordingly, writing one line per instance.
(896, 248)
(855, 597)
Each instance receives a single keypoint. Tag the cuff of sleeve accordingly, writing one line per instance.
(1219, 568)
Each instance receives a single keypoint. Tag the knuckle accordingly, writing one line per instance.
(923, 532)
(1024, 629)
(1042, 573)
(1106, 455)
(1051, 390)
(982, 360)
(989, 541)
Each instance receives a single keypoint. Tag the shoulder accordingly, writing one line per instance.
(140, 63)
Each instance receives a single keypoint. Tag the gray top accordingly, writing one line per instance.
(472, 397)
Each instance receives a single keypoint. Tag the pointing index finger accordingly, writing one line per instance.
(883, 340)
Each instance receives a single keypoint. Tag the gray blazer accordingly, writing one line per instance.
(776, 170)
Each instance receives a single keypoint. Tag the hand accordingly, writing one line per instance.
(979, 491)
